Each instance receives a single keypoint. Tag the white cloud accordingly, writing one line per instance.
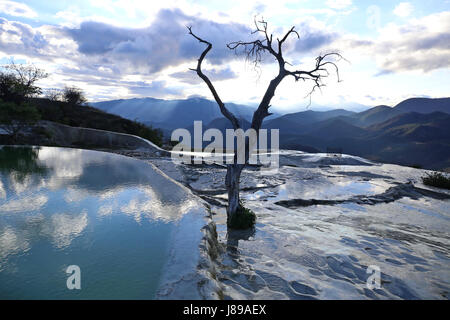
(16, 9)
(416, 45)
(403, 9)
(339, 4)
(421, 44)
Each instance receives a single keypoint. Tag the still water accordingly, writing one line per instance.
(112, 216)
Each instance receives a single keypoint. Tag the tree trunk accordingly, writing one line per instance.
(232, 185)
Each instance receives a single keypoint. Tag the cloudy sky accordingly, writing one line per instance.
(123, 49)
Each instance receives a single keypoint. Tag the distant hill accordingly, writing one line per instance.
(336, 128)
(309, 116)
(382, 133)
(171, 114)
(415, 132)
(301, 121)
(375, 115)
(222, 124)
(438, 118)
(417, 127)
(424, 105)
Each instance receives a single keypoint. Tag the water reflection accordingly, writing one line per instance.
(328, 189)
(63, 228)
(233, 237)
(104, 211)
(20, 160)
(26, 204)
(20, 164)
(82, 175)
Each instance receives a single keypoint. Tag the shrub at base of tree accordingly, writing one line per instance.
(244, 218)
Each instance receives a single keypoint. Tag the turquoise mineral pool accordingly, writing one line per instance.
(114, 217)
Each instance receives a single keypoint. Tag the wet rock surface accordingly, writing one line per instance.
(391, 195)
(321, 223)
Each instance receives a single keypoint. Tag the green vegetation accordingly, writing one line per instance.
(244, 218)
(73, 96)
(437, 179)
(147, 132)
(88, 117)
(20, 107)
(17, 82)
(14, 118)
(22, 161)
(17, 86)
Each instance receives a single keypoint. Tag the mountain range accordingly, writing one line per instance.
(415, 132)
(168, 115)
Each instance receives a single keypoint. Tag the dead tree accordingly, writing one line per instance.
(254, 51)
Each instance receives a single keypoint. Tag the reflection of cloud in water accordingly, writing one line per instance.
(105, 210)
(79, 194)
(110, 193)
(11, 243)
(61, 228)
(75, 195)
(64, 228)
(87, 173)
(148, 205)
(343, 189)
(328, 189)
(93, 183)
(19, 184)
(25, 204)
(67, 163)
(2, 191)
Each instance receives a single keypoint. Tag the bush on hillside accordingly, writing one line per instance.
(73, 96)
(14, 118)
(437, 179)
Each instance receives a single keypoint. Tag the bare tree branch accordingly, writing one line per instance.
(28, 74)
(280, 42)
(208, 82)
(319, 72)
(254, 50)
